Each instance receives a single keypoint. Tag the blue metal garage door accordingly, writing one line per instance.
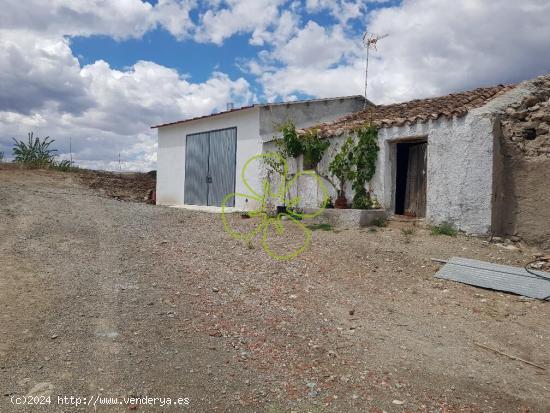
(210, 167)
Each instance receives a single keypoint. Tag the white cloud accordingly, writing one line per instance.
(342, 10)
(120, 19)
(315, 46)
(434, 47)
(119, 106)
(437, 47)
(174, 16)
(238, 16)
(39, 70)
(342, 80)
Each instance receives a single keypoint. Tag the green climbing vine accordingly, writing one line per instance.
(365, 155)
(355, 162)
(310, 145)
(290, 144)
(314, 148)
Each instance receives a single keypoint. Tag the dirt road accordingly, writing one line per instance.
(106, 298)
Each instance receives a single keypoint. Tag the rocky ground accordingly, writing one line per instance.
(112, 298)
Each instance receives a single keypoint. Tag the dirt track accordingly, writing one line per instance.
(116, 298)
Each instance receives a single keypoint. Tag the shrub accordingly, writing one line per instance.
(1, 156)
(326, 203)
(35, 153)
(380, 222)
(445, 228)
(322, 227)
(64, 165)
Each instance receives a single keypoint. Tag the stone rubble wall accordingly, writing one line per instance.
(522, 192)
(526, 124)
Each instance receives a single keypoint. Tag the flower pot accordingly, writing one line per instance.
(341, 202)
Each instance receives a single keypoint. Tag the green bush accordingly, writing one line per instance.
(35, 153)
(362, 200)
(380, 222)
(322, 227)
(445, 228)
(63, 165)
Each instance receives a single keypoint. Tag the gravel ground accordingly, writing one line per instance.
(112, 298)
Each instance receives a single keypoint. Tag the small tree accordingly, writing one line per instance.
(35, 152)
(1, 156)
(289, 145)
(341, 167)
(356, 163)
(276, 164)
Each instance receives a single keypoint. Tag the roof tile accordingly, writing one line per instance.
(454, 104)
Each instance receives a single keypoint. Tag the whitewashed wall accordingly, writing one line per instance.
(459, 170)
(171, 153)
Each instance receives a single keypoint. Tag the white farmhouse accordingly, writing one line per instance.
(478, 159)
(200, 159)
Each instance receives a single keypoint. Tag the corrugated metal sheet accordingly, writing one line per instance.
(196, 169)
(496, 277)
(223, 147)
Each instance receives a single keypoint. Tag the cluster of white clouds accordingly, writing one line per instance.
(434, 47)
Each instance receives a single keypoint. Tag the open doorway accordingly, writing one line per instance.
(410, 179)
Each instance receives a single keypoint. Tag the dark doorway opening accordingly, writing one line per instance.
(410, 179)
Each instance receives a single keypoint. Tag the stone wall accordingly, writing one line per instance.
(522, 193)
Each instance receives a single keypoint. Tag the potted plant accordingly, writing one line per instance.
(245, 214)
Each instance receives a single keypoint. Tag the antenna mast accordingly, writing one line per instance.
(369, 41)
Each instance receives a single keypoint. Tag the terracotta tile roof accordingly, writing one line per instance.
(455, 104)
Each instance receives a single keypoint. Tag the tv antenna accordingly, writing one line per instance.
(370, 41)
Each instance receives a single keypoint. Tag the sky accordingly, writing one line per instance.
(99, 73)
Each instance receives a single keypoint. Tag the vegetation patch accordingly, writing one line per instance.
(36, 153)
(380, 222)
(445, 228)
(322, 227)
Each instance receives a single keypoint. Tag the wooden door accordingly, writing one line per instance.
(415, 195)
